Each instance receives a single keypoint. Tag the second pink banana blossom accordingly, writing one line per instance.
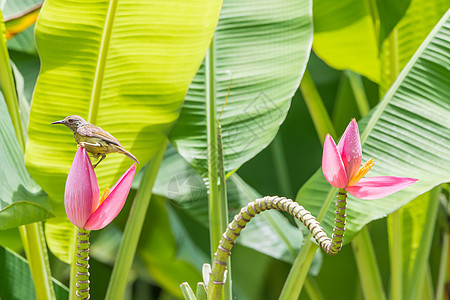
(341, 168)
(84, 206)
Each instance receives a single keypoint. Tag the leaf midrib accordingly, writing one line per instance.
(101, 63)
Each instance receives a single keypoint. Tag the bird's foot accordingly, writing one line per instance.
(81, 144)
(103, 157)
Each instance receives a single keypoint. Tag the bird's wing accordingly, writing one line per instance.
(97, 132)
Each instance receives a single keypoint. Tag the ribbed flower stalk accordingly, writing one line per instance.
(82, 263)
(339, 223)
(330, 245)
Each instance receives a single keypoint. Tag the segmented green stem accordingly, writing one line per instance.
(83, 264)
(330, 245)
(339, 223)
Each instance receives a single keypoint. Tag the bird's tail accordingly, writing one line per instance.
(127, 153)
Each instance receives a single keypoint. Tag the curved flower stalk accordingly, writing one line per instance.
(217, 276)
(88, 211)
(341, 167)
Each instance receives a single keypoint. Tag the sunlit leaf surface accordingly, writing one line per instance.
(261, 49)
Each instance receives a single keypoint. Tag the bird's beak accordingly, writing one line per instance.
(58, 122)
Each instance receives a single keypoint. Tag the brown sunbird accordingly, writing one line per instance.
(94, 139)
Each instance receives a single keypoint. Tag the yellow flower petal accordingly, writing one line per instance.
(104, 195)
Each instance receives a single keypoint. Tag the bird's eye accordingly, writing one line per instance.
(70, 120)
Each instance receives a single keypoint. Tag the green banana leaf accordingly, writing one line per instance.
(11, 239)
(413, 28)
(16, 281)
(22, 201)
(406, 134)
(345, 36)
(59, 234)
(129, 65)
(24, 42)
(260, 51)
(348, 35)
(105, 244)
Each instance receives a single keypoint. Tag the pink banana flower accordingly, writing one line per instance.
(84, 207)
(341, 168)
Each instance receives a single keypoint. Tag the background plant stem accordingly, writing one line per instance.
(8, 87)
(427, 291)
(395, 229)
(358, 90)
(224, 206)
(38, 260)
(281, 166)
(215, 215)
(414, 290)
(133, 228)
(101, 64)
(313, 289)
(316, 108)
(442, 277)
(369, 275)
(217, 205)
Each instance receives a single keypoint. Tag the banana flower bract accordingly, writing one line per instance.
(84, 207)
(341, 168)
